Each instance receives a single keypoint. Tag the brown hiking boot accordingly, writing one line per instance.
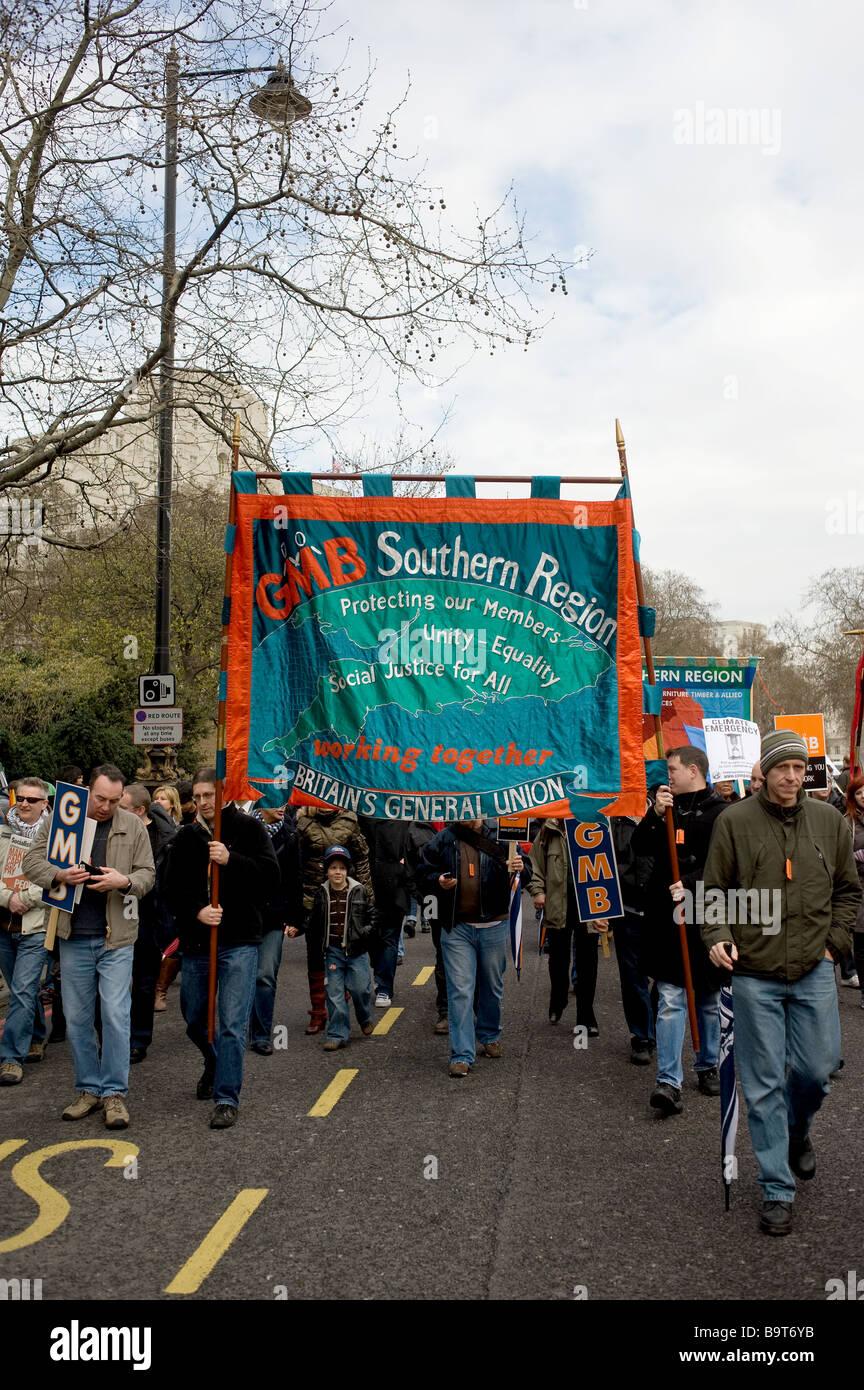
(367, 1028)
(116, 1114)
(11, 1074)
(36, 1053)
(82, 1106)
(459, 1068)
(492, 1049)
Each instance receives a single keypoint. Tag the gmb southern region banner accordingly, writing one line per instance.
(434, 659)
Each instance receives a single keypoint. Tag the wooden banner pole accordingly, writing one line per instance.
(658, 734)
(221, 742)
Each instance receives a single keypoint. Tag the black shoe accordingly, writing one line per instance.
(555, 1017)
(709, 1082)
(409, 926)
(204, 1089)
(264, 1049)
(666, 1098)
(802, 1159)
(641, 1052)
(776, 1218)
(137, 1054)
(59, 1034)
(223, 1117)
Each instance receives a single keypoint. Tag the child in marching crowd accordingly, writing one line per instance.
(340, 927)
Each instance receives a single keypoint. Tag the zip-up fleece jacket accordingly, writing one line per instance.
(751, 846)
(359, 920)
(33, 919)
(441, 857)
(247, 882)
(321, 827)
(128, 851)
(550, 869)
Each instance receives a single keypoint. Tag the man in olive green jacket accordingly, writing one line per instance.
(97, 942)
(792, 857)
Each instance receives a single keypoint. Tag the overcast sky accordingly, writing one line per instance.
(720, 315)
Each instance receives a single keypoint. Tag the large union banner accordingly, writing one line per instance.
(435, 659)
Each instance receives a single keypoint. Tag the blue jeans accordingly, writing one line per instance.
(22, 960)
(237, 967)
(342, 972)
(671, 1025)
(269, 960)
(474, 954)
(787, 1043)
(387, 947)
(88, 966)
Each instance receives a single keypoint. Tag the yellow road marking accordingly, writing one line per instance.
(53, 1206)
(425, 974)
(385, 1023)
(329, 1096)
(190, 1278)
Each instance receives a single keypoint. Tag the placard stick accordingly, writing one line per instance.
(658, 734)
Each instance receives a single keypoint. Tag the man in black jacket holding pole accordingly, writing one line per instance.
(248, 879)
(695, 807)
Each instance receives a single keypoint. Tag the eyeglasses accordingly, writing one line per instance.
(29, 800)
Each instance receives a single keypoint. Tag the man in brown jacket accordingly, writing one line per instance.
(97, 942)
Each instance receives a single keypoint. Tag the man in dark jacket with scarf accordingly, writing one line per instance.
(465, 868)
(785, 861)
(248, 879)
(283, 916)
(695, 808)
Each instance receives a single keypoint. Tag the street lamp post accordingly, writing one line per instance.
(280, 104)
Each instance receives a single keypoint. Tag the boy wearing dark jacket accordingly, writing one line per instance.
(339, 928)
(248, 880)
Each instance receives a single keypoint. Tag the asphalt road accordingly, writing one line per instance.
(554, 1178)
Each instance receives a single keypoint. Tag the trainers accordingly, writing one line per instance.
(204, 1089)
(11, 1074)
(367, 1028)
(851, 981)
(802, 1159)
(82, 1106)
(709, 1082)
(459, 1068)
(776, 1218)
(36, 1053)
(441, 1024)
(641, 1052)
(116, 1114)
(492, 1049)
(223, 1117)
(666, 1098)
(334, 1044)
(382, 1000)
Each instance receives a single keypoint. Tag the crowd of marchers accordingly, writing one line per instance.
(354, 889)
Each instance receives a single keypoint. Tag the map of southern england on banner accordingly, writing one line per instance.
(434, 659)
(693, 691)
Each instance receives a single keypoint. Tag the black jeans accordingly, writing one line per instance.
(146, 964)
(440, 977)
(635, 993)
(585, 944)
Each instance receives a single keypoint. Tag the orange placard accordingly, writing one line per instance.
(811, 728)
